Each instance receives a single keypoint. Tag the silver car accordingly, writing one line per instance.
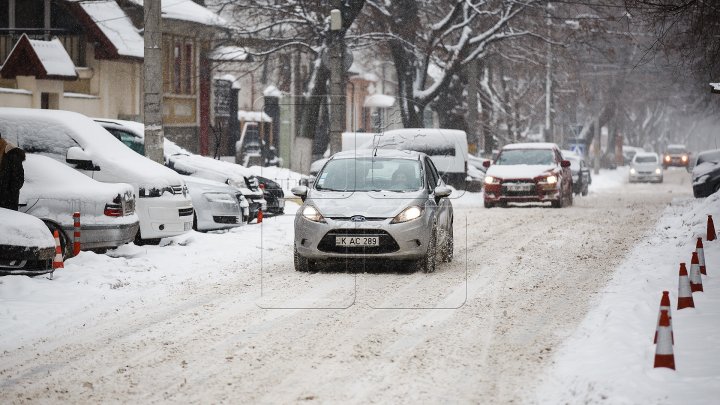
(217, 205)
(375, 204)
(646, 166)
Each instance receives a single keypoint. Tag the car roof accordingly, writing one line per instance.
(641, 154)
(531, 145)
(676, 146)
(384, 153)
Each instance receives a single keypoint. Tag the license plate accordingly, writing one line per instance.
(357, 241)
(519, 187)
(188, 226)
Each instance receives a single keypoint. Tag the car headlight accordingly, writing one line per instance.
(551, 179)
(667, 158)
(492, 180)
(632, 170)
(658, 171)
(311, 213)
(220, 198)
(684, 158)
(408, 214)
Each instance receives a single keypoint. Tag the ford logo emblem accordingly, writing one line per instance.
(358, 218)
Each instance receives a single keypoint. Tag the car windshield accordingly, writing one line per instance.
(525, 157)
(370, 174)
(675, 151)
(645, 159)
(709, 157)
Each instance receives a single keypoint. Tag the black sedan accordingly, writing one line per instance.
(273, 194)
(706, 174)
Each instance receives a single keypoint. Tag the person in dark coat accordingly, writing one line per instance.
(12, 174)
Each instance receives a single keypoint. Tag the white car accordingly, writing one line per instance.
(646, 166)
(217, 205)
(53, 192)
(162, 201)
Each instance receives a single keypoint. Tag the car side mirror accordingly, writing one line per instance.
(300, 191)
(564, 163)
(81, 159)
(486, 164)
(441, 192)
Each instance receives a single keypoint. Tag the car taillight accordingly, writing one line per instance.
(113, 210)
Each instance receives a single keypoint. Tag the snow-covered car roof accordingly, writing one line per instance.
(47, 178)
(18, 229)
(642, 154)
(531, 145)
(208, 185)
(676, 146)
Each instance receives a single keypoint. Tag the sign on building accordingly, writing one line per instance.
(222, 97)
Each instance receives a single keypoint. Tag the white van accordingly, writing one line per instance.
(162, 201)
(448, 148)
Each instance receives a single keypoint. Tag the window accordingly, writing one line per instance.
(432, 174)
(179, 67)
(130, 140)
(370, 174)
(188, 73)
(526, 157)
(177, 64)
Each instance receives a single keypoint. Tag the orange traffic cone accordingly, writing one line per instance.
(76, 235)
(711, 235)
(260, 216)
(685, 298)
(701, 256)
(695, 278)
(664, 306)
(664, 351)
(58, 260)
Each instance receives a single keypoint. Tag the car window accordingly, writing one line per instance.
(645, 159)
(52, 140)
(432, 174)
(368, 174)
(525, 157)
(129, 139)
(675, 151)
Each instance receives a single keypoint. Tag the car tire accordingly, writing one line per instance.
(302, 264)
(65, 243)
(428, 262)
(449, 248)
(489, 205)
(140, 241)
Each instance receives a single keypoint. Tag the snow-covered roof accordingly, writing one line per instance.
(230, 54)
(533, 145)
(187, 10)
(253, 116)
(42, 59)
(116, 26)
(379, 100)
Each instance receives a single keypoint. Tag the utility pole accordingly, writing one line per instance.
(337, 80)
(596, 124)
(472, 101)
(153, 81)
(549, 135)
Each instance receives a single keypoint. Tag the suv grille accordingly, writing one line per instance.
(386, 242)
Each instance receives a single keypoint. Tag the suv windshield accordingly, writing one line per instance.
(525, 157)
(370, 174)
(645, 159)
(675, 151)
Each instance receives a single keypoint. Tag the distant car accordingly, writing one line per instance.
(132, 134)
(274, 195)
(629, 153)
(161, 204)
(646, 166)
(26, 245)
(529, 172)
(217, 205)
(706, 174)
(375, 204)
(580, 172)
(677, 156)
(53, 192)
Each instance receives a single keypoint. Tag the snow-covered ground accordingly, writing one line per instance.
(609, 358)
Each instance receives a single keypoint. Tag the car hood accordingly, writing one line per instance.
(705, 168)
(519, 171)
(380, 204)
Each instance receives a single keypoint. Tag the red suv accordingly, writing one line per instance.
(676, 155)
(529, 172)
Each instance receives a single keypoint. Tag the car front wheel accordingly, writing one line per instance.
(449, 248)
(428, 262)
(302, 264)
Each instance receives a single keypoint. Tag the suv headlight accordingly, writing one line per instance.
(220, 198)
(492, 180)
(311, 213)
(408, 214)
(551, 179)
(632, 170)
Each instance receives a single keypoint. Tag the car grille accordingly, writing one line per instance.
(386, 242)
(350, 218)
(226, 219)
(184, 212)
(514, 193)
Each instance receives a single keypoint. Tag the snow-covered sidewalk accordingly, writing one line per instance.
(609, 358)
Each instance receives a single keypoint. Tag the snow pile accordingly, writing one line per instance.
(18, 229)
(610, 356)
(116, 26)
(609, 179)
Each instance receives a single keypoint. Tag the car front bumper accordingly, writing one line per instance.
(405, 241)
(495, 193)
(25, 261)
(704, 189)
(646, 177)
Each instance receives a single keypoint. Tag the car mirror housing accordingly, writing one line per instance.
(565, 163)
(442, 192)
(486, 164)
(300, 191)
(81, 159)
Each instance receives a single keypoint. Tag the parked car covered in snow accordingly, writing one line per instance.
(53, 192)
(274, 195)
(646, 166)
(706, 174)
(580, 172)
(186, 163)
(217, 205)
(26, 246)
(529, 172)
(162, 203)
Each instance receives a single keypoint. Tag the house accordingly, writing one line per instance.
(102, 41)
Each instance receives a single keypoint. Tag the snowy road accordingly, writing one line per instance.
(479, 330)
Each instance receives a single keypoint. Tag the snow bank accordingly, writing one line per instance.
(609, 358)
(18, 229)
